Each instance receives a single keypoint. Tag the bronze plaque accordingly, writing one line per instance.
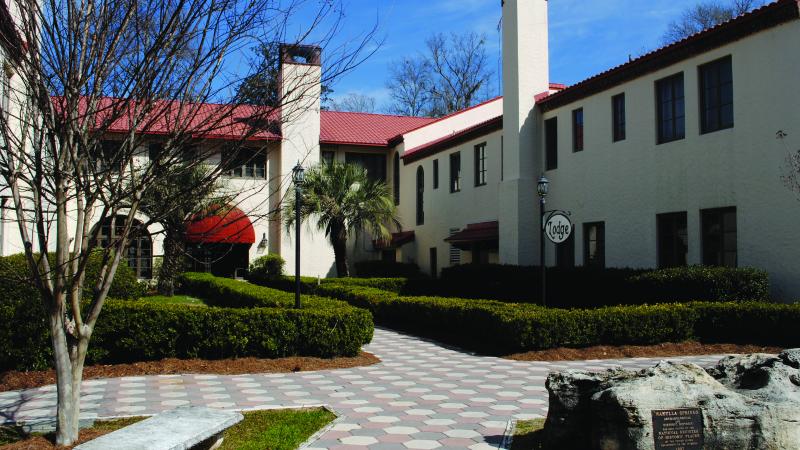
(678, 429)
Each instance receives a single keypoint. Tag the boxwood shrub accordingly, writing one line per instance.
(502, 328)
(131, 330)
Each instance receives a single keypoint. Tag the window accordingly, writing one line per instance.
(455, 252)
(719, 237)
(671, 109)
(716, 95)
(110, 155)
(618, 117)
(673, 241)
(594, 244)
(433, 259)
(551, 143)
(328, 156)
(375, 163)
(480, 164)
(577, 130)
(247, 163)
(396, 178)
(565, 252)
(139, 253)
(420, 196)
(455, 172)
(436, 174)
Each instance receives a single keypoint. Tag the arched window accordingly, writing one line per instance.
(396, 178)
(139, 253)
(420, 196)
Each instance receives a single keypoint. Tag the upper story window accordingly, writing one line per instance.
(436, 174)
(375, 163)
(577, 130)
(247, 163)
(328, 156)
(396, 178)
(719, 237)
(551, 143)
(455, 172)
(671, 109)
(480, 164)
(716, 95)
(618, 117)
(420, 195)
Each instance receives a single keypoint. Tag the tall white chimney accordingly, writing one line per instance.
(525, 74)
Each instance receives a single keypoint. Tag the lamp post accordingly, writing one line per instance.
(298, 176)
(542, 188)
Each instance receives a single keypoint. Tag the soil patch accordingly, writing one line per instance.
(45, 442)
(689, 348)
(13, 380)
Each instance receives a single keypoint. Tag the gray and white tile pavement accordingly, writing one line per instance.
(422, 395)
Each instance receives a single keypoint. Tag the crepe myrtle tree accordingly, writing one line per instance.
(341, 200)
(83, 73)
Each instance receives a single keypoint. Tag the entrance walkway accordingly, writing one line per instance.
(422, 395)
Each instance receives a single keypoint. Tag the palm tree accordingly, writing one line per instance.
(344, 201)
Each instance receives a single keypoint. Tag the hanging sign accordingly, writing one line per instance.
(558, 228)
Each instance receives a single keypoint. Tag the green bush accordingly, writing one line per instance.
(24, 338)
(502, 328)
(701, 282)
(265, 268)
(130, 331)
(386, 269)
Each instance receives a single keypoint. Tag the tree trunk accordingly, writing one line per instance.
(68, 409)
(172, 264)
(340, 253)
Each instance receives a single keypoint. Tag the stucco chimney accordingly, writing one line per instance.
(300, 88)
(525, 74)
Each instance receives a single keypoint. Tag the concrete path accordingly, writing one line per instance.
(422, 396)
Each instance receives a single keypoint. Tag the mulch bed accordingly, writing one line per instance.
(690, 348)
(43, 443)
(13, 380)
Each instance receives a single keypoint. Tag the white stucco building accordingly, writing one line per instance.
(669, 159)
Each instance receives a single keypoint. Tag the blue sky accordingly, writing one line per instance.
(586, 36)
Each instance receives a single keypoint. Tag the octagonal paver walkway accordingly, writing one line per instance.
(421, 396)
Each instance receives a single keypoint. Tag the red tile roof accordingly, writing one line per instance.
(760, 19)
(365, 129)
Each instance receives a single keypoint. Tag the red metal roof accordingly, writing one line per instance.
(398, 240)
(476, 232)
(373, 130)
(201, 120)
(448, 141)
(224, 226)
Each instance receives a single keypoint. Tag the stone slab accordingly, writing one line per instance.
(178, 429)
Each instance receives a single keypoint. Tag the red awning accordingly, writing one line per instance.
(398, 240)
(476, 233)
(223, 226)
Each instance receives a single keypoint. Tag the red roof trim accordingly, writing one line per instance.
(399, 138)
(451, 140)
(763, 18)
(398, 240)
(475, 232)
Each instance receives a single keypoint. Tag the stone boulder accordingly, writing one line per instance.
(748, 402)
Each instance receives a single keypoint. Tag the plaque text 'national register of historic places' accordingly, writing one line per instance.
(678, 429)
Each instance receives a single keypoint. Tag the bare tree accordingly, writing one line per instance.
(354, 102)
(92, 82)
(706, 15)
(451, 76)
(410, 86)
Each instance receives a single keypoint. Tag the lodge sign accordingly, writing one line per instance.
(678, 429)
(558, 228)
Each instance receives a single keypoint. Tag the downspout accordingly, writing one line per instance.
(3, 201)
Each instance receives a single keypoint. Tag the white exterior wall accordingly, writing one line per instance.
(445, 210)
(627, 183)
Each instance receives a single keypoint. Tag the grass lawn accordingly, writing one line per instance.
(528, 435)
(260, 430)
(174, 300)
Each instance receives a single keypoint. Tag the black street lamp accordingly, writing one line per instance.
(542, 187)
(298, 176)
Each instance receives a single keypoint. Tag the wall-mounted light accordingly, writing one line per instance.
(262, 246)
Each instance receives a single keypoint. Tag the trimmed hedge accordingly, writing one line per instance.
(266, 268)
(387, 269)
(130, 331)
(502, 328)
